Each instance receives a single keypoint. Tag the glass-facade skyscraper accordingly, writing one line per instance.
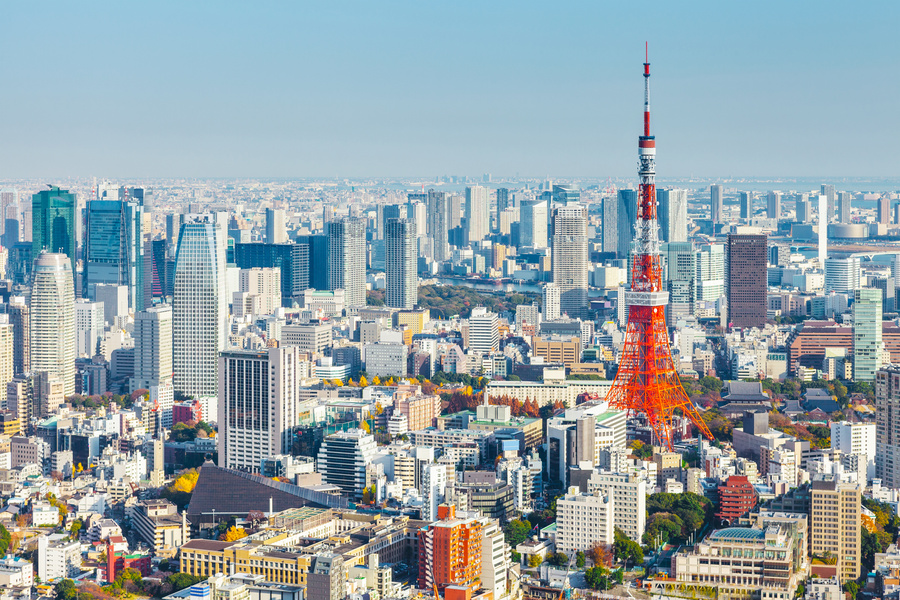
(867, 332)
(114, 248)
(53, 223)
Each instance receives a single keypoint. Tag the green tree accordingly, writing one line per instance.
(627, 549)
(579, 559)
(65, 590)
(853, 588)
(5, 540)
(534, 561)
(516, 532)
(179, 581)
(597, 578)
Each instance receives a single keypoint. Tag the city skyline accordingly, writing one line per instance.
(282, 91)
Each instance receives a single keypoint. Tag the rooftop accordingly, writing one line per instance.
(744, 534)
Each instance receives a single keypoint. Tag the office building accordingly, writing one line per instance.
(199, 305)
(7, 360)
(842, 275)
(672, 211)
(115, 301)
(626, 215)
(53, 223)
(681, 279)
(301, 265)
(276, 231)
(343, 460)
(570, 259)
(835, 521)
(747, 278)
(583, 520)
(773, 205)
(152, 347)
(89, 327)
(609, 224)
(53, 347)
(260, 292)
(433, 488)
(710, 283)
(450, 551)
(484, 331)
(533, 224)
(347, 259)
(401, 278)
(855, 438)
(746, 204)
(867, 334)
(439, 223)
(827, 190)
(478, 213)
(258, 401)
(736, 499)
(716, 203)
(114, 246)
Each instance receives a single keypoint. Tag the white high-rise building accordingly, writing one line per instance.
(673, 221)
(484, 331)
(570, 259)
(276, 233)
(434, 487)
(710, 283)
(401, 278)
(583, 520)
(478, 213)
(629, 496)
(842, 275)
(53, 347)
(199, 305)
(7, 370)
(823, 228)
(533, 224)
(260, 292)
(259, 393)
(89, 326)
(152, 347)
(347, 259)
(343, 460)
(856, 438)
(550, 294)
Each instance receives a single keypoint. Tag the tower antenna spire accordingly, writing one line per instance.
(646, 382)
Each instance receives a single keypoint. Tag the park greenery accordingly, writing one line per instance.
(675, 516)
(128, 583)
(445, 301)
(188, 432)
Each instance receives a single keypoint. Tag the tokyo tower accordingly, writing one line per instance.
(646, 381)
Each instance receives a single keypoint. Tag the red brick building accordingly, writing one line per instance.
(736, 499)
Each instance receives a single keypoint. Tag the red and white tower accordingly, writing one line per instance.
(646, 381)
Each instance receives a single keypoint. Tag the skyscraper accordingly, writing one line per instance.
(828, 191)
(53, 346)
(9, 210)
(478, 213)
(53, 223)
(570, 258)
(716, 203)
(773, 205)
(803, 208)
(887, 426)
(401, 279)
(347, 259)
(672, 214)
(710, 272)
(845, 199)
(20, 318)
(884, 209)
(627, 215)
(258, 400)
(823, 229)
(276, 232)
(681, 261)
(835, 524)
(609, 235)
(747, 278)
(533, 224)
(867, 330)
(504, 200)
(114, 247)
(199, 305)
(439, 224)
(842, 275)
(746, 206)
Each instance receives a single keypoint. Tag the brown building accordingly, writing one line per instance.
(835, 521)
(747, 260)
(807, 343)
(736, 499)
(557, 349)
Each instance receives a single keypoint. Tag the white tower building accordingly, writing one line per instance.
(53, 347)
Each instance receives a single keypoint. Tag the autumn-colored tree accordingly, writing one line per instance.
(601, 554)
(376, 380)
(363, 382)
(365, 427)
(235, 533)
(22, 521)
(428, 388)
(337, 383)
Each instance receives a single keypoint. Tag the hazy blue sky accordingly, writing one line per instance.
(257, 89)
